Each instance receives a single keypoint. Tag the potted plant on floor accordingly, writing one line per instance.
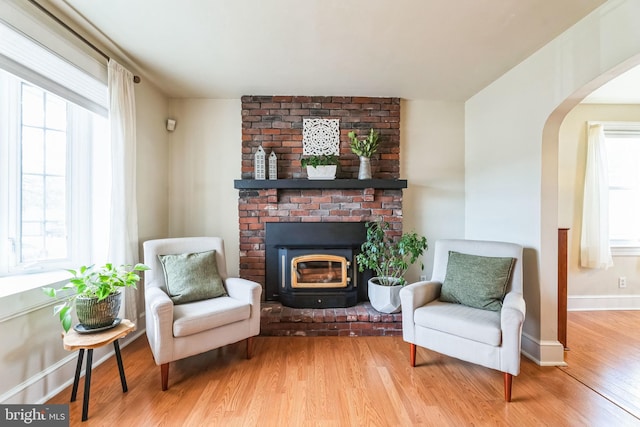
(389, 258)
(321, 166)
(97, 294)
(364, 148)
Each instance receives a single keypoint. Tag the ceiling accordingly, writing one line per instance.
(413, 49)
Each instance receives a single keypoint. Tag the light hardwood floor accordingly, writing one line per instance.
(604, 354)
(360, 381)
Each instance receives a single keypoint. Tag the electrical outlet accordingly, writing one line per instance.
(622, 282)
(423, 277)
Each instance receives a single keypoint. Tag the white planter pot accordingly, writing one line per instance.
(322, 172)
(385, 299)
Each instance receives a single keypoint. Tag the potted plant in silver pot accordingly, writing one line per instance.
(389, 258)
(364, 148)
(96, 294)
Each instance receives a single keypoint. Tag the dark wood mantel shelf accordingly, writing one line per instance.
(261, 184)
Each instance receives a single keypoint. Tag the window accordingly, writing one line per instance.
(47, 145)
(54, 151)
(43, 177)
(623, 162)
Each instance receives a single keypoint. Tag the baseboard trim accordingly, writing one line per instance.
(51, 381)
(603, 302)
(23, 393)
(543, 353)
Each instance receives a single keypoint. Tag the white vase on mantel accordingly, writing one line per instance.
(365, 168)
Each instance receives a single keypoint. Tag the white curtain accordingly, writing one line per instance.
(595, 251)
(123, 238)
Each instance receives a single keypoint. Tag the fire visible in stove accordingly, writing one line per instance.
(319, 271)
(312, 264)
(317, 278)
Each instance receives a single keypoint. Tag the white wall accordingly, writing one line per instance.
(512, 129)
(206, 154)
(590, 288)
(432, 160)
(152, 163)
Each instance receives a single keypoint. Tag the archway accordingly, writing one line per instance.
(550, 165)
(600, 370)
(511, 159)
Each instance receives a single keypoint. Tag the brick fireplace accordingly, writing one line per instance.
(275, 123)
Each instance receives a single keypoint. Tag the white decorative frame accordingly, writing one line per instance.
(320, 136)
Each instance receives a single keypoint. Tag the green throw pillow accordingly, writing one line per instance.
(192, 277)
(476, 281)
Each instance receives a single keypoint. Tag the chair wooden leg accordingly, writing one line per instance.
(164, 373)
(412, 355)
(249, 347)
(508, 379)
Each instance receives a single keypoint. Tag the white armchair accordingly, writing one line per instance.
(179, 331)
(488, 338)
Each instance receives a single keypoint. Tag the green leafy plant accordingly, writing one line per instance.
(389, 258)
(320, 160)
(365, 147)
(94, 282)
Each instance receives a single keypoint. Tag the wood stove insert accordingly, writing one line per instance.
(312, 265)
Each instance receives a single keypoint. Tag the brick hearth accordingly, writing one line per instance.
(360, 320)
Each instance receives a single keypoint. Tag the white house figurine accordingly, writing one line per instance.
(259, 164)
(273, 166)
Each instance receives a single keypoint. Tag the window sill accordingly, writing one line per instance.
(21, 295)
(625, 251)
(11, 285)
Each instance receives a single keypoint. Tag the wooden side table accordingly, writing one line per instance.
(72, 341)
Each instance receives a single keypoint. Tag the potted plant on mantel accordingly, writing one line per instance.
(389, 258)
(97, 295)
(321, 166)
(364, 148)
